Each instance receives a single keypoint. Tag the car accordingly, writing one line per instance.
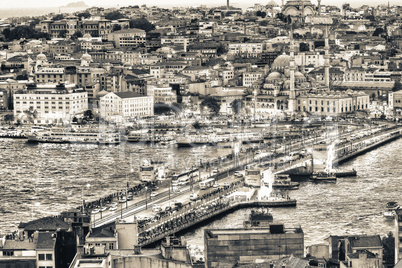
(238, 174)
(122, 200)
(216, 185)
(129, 197)
(176, 189)
(193, 196)
(153, 194)
(226, 185)
(215, 171)
(156, 208)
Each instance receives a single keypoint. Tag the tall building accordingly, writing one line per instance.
(128, 37)
(398, 235)
(228, 246)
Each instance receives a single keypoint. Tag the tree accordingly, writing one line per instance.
(84, 15)
(31, 114)
(388, 244)
(142, 23)
(397, 86)
(58, 17)
(88, 115)
(237, 106)
(62, 34)
(261, 14)
(24, 31)
(212, 104)
(116, 27)
(378, 32)
(114, 15)
(9, 118)
(76, 35)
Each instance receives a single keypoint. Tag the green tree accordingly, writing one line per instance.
(237, 106)
(114, 15)
(378, 32)
(212, 104)
(31, 114)
(142, 23)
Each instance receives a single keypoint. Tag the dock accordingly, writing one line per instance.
(193, 216)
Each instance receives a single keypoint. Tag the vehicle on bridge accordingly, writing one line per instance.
(207, 183)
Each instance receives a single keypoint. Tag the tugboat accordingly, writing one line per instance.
(283, 181)
(259, 218)
(390, 213)
(323, 177)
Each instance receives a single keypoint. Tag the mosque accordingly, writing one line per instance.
(286, 90)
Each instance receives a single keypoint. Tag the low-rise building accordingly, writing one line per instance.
(128, 37)
(125, 105)
(45, 104)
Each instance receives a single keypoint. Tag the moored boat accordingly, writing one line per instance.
(283, 181)
(323, 177)
(83, 136)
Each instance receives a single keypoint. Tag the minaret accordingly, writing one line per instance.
(292, 67)
(319, 7)
(326, 59)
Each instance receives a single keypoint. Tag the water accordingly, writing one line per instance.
(40, 180)
(351, 206)
(45, 179)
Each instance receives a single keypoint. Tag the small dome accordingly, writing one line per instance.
(87, 36)
(41, 57)
(281, 62)
(86, 57)
(286, 85)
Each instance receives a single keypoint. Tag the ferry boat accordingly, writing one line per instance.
(259, 218)
(90, 136)
(283, 181)
(323, 177)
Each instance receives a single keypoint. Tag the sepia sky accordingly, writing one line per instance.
(171, 3)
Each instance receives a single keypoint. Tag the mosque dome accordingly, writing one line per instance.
(86, 57)
(41, 57)
(281, 62)
(274, 75)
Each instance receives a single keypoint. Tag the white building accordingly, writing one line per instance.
(46, 104)
(128, 37)
(116, 106)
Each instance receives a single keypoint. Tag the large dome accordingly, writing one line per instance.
(281, 62)
(274, 75)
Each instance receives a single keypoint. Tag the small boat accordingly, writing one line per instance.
(389, 214)
(283, 181)
(323, 177)
(392, 205)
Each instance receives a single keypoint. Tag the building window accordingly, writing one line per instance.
(49, 257)
(41, 257)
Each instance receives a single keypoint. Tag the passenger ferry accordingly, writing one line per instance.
(89, 136)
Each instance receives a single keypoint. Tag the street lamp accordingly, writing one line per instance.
(146, 201)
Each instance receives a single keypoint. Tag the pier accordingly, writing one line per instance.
(195, 215)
